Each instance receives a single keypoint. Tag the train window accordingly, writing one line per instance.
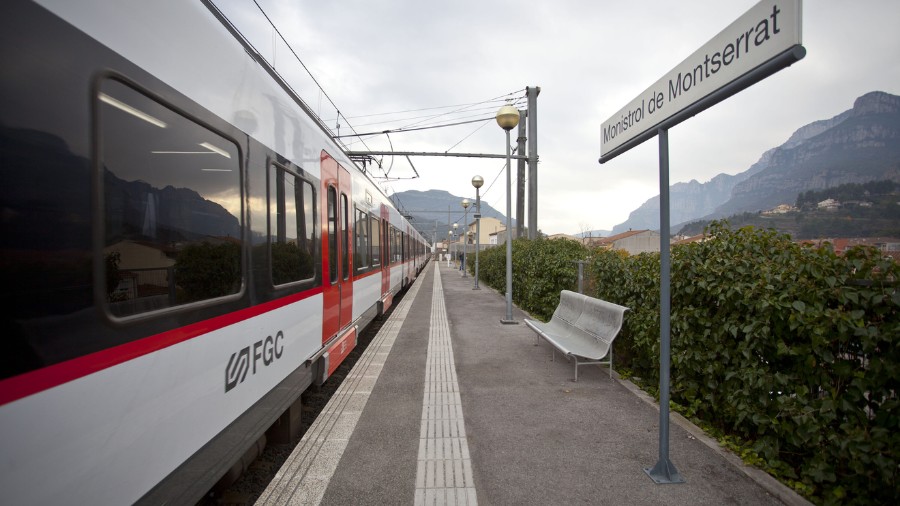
(345, 236)
(172, 205)
(361, 253)
(308, 232)
(398, 248)
(291, 237)
(395, 251)
(332, 235)
(376, 243)
(393, 244)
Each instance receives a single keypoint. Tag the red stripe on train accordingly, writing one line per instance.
(30, 383)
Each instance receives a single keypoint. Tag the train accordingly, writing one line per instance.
(185, 250)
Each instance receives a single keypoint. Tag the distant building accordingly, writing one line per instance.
(633, 241)
(829, 205)
(562, 236)
(498, 236)
(889, 246)
(141, 255)
(488, 226)
(781, 209)
(144, 269)
(692, 239)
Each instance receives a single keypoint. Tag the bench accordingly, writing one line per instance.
(583, 328)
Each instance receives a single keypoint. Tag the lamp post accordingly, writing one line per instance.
(449, 250)
(508, 118)
(465, 204)
(455, 226)
(477, 182)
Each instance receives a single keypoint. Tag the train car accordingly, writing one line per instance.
(185, 250)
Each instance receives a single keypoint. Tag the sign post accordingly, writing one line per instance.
(766, 39)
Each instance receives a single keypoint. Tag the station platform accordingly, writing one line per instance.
(450, 406)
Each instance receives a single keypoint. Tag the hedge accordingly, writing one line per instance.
(789, 348)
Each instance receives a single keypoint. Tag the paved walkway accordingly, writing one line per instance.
(449, 406)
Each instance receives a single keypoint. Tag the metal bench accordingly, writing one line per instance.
(583, 328)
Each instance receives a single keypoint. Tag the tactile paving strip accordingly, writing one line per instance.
(444, 468)
(305, 475)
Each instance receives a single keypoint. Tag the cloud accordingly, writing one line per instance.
(589, 58)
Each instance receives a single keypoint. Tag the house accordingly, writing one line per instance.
(692, 239)
(143, 269)
(633, 241)
(490, 227)
(889, 246)
(780, 209)
(829, 205)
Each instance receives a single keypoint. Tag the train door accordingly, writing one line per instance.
(385, 254)
(336, 248)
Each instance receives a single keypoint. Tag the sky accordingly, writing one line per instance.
(590, 58)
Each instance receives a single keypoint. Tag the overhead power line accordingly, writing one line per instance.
(496, 99)
(400, 130)
(419, 122)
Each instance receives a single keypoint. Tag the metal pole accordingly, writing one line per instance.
(520, 176)
(580, 276)
(477, 233)
(532, 92)
(509, 318)
(664, 471)
(465, 242)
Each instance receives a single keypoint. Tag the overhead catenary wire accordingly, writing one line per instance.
(484, 121)
(485, 192)
(460, 109)
(418, 123)
(401, 130)
(424, 123)
(319, 85)
(500, 99)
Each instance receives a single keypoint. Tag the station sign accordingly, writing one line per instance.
(767, 30)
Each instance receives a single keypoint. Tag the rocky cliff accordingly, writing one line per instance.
(858, 145)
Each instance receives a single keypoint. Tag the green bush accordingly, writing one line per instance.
(792, 349)
(541, 269)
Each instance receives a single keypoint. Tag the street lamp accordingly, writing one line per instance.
(456, 253)
(477, 182)
(449, 243)
(465, 204)
(507, 118)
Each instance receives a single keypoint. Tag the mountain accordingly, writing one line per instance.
(859, 145)
(425, 208)
(687, 201)
(851, 210)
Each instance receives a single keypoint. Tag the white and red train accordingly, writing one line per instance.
(184, 251)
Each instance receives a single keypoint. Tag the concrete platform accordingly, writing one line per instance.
(449, 406)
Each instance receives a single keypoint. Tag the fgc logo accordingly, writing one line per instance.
(268, 350)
